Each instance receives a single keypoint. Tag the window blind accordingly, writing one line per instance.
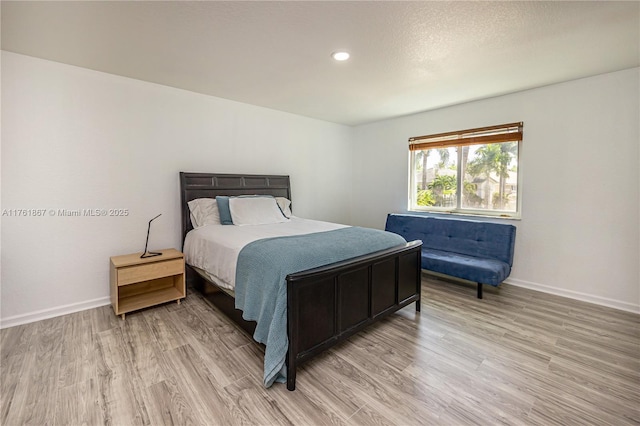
(511, 132)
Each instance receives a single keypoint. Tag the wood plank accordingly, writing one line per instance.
(198, 385)
(77, 363)
(79, 404)
(168, 405)
(40, 396)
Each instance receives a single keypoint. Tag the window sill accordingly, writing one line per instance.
(469, 214)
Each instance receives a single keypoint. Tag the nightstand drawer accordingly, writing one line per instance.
(150, 271)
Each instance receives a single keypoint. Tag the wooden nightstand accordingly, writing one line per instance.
(139, 283)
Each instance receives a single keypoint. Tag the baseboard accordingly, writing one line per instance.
(576, 295)
(53, 312)
(603, 301)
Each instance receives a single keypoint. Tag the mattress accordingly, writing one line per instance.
(214, 249)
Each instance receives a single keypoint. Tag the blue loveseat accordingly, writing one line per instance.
(481, 252)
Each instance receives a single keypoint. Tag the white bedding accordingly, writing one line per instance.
(215, 248)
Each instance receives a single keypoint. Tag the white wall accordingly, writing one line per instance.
(579, 234)
(73, 138)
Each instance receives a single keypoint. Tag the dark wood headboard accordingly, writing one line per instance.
(210, 185)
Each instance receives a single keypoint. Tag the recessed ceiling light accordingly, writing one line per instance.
(340, 55)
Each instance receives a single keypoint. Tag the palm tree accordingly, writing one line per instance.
(465, 159)
(444, 157)
(508, 151)
(469, 194)
(422, 156)
(443, 185)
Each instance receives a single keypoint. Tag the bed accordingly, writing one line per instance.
(324, 304)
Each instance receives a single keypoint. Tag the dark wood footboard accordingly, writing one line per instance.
(328, 304)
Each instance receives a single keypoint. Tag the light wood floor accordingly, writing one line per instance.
(516, 357)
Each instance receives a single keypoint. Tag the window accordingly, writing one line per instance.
(471, 171)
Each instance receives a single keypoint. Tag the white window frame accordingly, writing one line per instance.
(450, 141)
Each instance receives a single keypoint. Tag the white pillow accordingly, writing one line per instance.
(204, 211)
(285, 206)
(255, 211)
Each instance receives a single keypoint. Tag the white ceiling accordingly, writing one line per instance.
(406, 56)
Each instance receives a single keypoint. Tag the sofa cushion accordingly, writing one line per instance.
(486, 271)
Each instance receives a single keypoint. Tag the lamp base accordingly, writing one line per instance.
(149, 254)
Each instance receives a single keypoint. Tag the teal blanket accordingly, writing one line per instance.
(261, 288)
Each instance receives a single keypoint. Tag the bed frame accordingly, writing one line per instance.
(325, 305)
